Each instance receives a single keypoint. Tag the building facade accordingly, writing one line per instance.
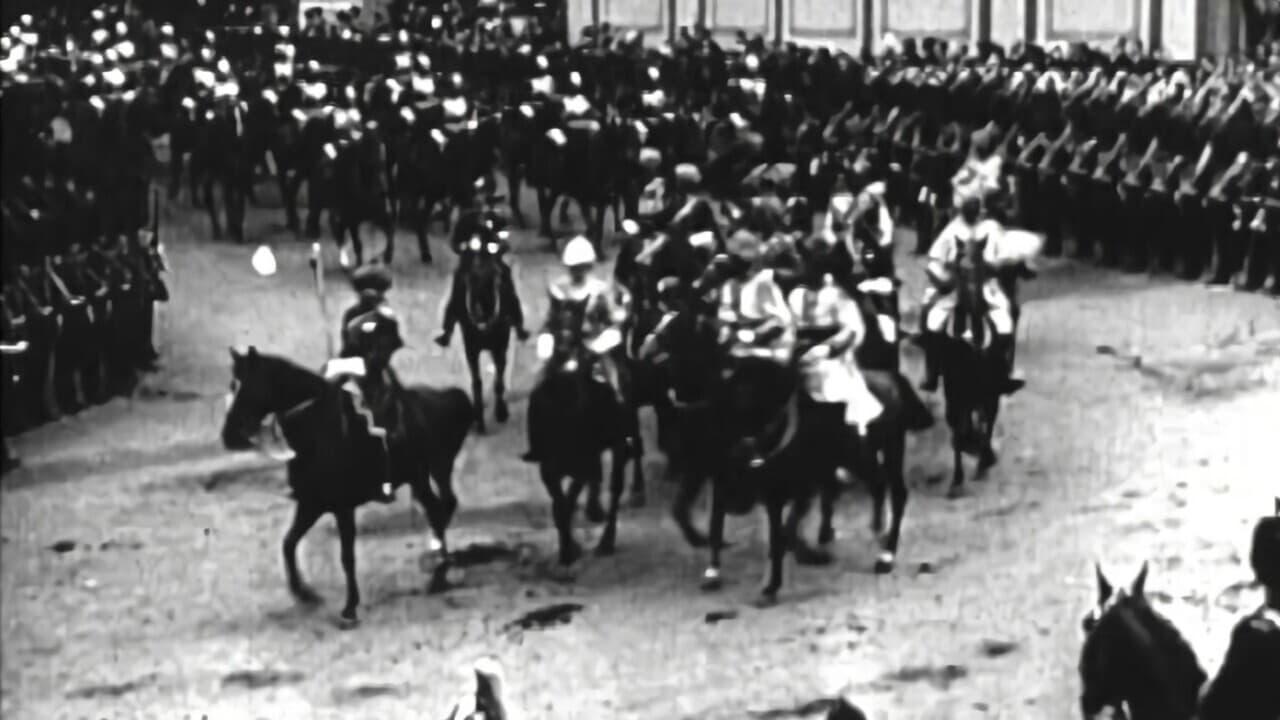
(1183, 29)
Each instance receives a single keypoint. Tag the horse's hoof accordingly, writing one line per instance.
(956, 492)
(439, 580)
(988, 460)
(606, 549)
(570, 554)
(806, 555)
(501, 413)
(348, 620)
(692, 535)
(305, 595)
(884, 563)
(638, 500)
(826, 536)
(711, 580)
(595, 512)
(768, 597)
(480, 426)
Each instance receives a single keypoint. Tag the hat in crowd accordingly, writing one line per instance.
(650, 158)
(688, 175)
(744, 244)
(578, 251)
(371, 278)
(1265, 555)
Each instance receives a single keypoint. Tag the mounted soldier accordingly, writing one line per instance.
(1245, 687)
(829, 328)
(757, 328)
(370, 336)
(960, 238)
(481, 229)
(599, 335)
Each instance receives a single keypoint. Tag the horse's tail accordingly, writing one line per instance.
(915, 414)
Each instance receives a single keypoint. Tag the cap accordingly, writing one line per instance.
(371, 278)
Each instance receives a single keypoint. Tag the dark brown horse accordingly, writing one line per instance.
(333, 470)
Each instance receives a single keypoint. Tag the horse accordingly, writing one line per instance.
(359, 192)
(575, 419)
(486, 326)
(806, 441)
(426, 430)
(1134, 660)
(972, 372)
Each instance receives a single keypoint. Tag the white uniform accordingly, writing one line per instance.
(944, 253)
(835, 378)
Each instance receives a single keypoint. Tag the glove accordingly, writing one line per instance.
(546, 346)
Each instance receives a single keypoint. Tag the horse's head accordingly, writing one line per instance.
(1133, 657)
(568, 354)
(971, 273)
(262, 385)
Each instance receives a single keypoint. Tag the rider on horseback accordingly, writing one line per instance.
(604, 314)
(829, 322)
(481, 229)
(756, 324)
(939, 302)
(370, 336)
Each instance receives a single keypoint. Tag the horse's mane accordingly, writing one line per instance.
(1188, 676)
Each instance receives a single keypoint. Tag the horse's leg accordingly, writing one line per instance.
(289, 186)
(987, 458)
(617, 479)
(421, 213)
(347, 536)
(387, 224)
(513, 194)
(562, 505)
(682, 508)
(304, 516)
(957, 471)
(441, 514)
(637, 460)
(545, 201)
(793, 538)
(353, 228)
(777, 549)
(212, 206)
(827, 507)
(564, 209)
(894, 454)
(499, 354)
(175, 172)
(711, 576)
(477, 383)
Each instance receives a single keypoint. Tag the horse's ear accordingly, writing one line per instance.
(1278, 507)
(1139, 583)
(1104, 587)
(236, 354)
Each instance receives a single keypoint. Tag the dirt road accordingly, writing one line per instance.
(142, 574)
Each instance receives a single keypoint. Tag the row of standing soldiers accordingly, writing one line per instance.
(82, 264)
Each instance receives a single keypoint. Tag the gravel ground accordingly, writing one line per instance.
(142, 574)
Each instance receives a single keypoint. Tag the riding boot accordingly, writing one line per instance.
(929, 343)
(1002, 346)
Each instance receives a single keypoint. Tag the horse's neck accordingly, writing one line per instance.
(298, 387)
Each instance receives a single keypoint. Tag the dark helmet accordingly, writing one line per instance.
(1265, 555)
(371, 279)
